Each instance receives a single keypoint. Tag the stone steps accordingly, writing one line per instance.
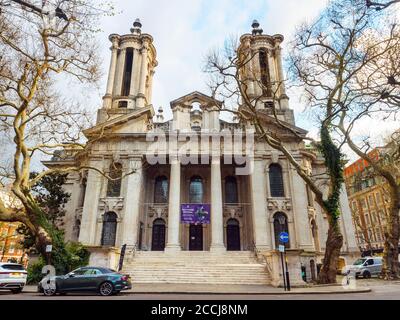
(196, 267)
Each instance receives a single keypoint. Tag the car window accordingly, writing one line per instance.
(370, 262)
(13, 267)
(88, 272)
(79, 271)
(96, 271)
(359, 262)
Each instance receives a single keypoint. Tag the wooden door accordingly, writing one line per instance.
(196, 237)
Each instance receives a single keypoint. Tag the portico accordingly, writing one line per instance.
(170, 186)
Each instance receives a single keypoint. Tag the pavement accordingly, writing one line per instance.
(210, 289)
(361, 289)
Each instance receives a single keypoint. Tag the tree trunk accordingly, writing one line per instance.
(333, 245)
(390, 267)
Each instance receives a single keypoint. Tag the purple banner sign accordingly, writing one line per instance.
(192, 213)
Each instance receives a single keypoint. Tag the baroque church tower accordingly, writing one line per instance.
(130, 77)
(262, 74)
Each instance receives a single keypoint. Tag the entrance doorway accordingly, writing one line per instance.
(158, 236)
(196, 237)
(233, 235)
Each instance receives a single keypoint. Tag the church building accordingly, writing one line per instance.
(202, 220)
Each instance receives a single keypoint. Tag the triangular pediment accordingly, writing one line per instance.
(133, 122)
(194, 97)
(281, 129)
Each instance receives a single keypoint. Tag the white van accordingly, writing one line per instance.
(365, 267)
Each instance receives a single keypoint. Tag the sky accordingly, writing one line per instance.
(185, 31)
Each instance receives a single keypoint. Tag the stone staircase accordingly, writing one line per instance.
(197, 267)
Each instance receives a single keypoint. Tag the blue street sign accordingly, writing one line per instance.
(284, 237)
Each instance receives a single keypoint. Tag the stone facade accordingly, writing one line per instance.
(143, 210)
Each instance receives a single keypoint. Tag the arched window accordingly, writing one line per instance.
(276, 180)
(196, 190)
(280, 225)
(231, 190)
(161, 190)
(114, 185)
(109, 229)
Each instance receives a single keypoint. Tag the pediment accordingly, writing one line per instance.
(137, 121)
(195, 97)
(281, 129)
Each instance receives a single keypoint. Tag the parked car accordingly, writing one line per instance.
(12, 277)
(86, 279)
(365, 267)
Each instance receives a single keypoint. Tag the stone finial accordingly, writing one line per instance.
(137, 27)
(160, 116)
(256, 28)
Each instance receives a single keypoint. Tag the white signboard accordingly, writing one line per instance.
(281, 248)
(49, 248)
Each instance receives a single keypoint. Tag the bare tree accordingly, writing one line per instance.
(39, 40)
(375, 92)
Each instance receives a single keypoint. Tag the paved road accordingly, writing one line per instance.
(380, 290)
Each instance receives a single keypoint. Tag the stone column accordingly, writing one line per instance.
(281, 76)
(174, 207)
(217, 224)
(132, 202)
(107, 99)
(87, 235)
(141, 97)
(346, 222)
(300, 213)
(135, 71)
(120, 72)
(262, 236)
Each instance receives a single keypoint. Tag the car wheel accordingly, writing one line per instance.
(16, 291)
(106, 289)
(366, 275)
(51, 291)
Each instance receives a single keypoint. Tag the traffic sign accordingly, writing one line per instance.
(281, 248)
(284, 237)
(49, 248)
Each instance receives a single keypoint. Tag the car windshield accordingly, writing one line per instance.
(17, 267)
(359, 262)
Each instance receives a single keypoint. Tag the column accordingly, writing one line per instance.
(120, 72)
(132, 202)
(300, 213)
(141, 97)
(262, 236)
(217, 224)
(174, 207)
(107, 99)
(346, 222)
(87, 235)
(135, 72)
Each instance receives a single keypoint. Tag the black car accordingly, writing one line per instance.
(86, 279)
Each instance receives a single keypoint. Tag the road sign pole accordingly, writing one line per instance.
(287, 274)
(283, 272)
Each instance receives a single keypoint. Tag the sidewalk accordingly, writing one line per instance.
(230, 289)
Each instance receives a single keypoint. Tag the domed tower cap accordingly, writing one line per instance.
(256, 28)
(255, 24)
(137, 23)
